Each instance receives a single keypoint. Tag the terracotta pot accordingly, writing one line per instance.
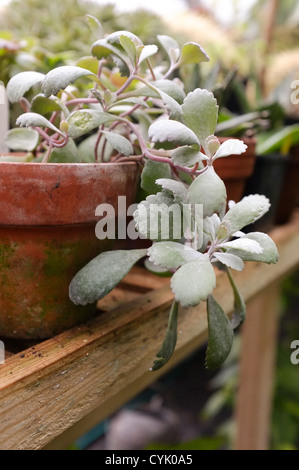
(47, 233)
(236, 169)
(289, 197)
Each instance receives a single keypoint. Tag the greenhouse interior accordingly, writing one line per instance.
(149, 227)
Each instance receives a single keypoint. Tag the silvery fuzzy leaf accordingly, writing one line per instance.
(167, 130)
(239, 313)
(60, 77)
(22, 139)
(230, 147)
(210, 226)
(85, 120)
(200, 113)
(171, 47)
(268, 255)
(20, 83)
(102, 274)
(119, 143)
(147, 51)
(221, 335)
(245, 212)
(159, 217)
(36, 120)
(171, 255)
(243, 244)
(209, 190)
(176, 187)
(187, 156)
(114, 38)
(171, 88)
(170, 340)
(194, 281)
(173, 107)
(230, 260)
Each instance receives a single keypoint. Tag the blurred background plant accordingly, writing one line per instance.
(58, 32)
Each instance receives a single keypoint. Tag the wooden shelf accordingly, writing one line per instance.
(53, 391)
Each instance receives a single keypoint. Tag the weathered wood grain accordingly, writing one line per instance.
(84, 374)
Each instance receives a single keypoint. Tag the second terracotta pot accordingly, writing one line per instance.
(236, 169)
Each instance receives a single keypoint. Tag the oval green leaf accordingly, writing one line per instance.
(18, 85)
(119, 143)
(239, 312)
(200, 113)
(170, 340)
(85, 120)
(245, 212)
(60, 77)
(167, 130)
(269, 252)
(221, 335)
(151, 172)
(171, 255)
(22, 139)
(230, 147)
(209, 190)
(193, 53)
(194, 281)
(102, 274)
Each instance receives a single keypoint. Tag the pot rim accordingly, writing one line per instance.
(90, 165)
(63, 193)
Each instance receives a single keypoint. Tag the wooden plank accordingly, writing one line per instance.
(99, 366)
(257, 364)
(138, 282)
(117, 297)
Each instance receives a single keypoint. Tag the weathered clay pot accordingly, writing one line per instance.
(47, 233)
(236, 169)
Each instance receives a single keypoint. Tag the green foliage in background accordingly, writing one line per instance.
(59, 27)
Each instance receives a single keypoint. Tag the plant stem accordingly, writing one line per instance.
(51, 140)
(77, 101)
(98, 143)
(47, 154)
